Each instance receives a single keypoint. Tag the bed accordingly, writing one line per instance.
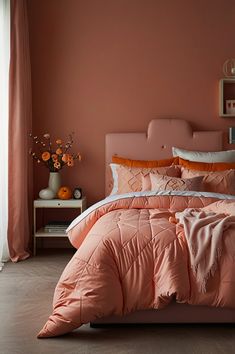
(98, 291)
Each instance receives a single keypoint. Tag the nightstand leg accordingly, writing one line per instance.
(83, 206)
(34, 246)
(34, 232)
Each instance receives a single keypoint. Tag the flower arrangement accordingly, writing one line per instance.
(56, 156)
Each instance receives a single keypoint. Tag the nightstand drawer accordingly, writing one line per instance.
(59, 203)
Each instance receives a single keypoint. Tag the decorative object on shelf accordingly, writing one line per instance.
(227, 97)
(231, 133)
(54, 158)
(229, 68)
(54, 181)
(230, 107)
(54, 184)
(47, 193)
(77, 193)
(57, 226)
(64, 193)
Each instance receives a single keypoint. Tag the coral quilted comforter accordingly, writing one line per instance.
(133, 254)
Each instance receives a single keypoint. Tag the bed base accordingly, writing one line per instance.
(172, 314)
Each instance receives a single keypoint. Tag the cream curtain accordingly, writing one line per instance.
(4, 114)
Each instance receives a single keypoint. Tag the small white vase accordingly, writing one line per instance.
(54, 182)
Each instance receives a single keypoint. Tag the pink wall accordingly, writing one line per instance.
(103, 66)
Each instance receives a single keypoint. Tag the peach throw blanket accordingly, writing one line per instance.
(204, 234)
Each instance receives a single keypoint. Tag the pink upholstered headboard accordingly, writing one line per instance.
(157, 142)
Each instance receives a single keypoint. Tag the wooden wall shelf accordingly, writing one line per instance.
(226, 92)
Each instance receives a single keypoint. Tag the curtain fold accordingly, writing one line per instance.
(4, 112)
(20, 124)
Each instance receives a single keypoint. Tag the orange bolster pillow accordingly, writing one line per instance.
(145, 164)
(207, 166)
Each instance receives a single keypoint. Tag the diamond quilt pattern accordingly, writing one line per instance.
(132, 256)
(218, 182)
(130, 178)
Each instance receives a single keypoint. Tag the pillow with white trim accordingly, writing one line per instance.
(203, 156)
(128, 179)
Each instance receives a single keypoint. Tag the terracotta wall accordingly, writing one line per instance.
(103, 66)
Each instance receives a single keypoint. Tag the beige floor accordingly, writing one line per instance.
(26, 290)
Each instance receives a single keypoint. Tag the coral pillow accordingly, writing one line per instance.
(143, 163)
(217, 182)
(164, 183)
(129, 179)
(203, 166)
(172, 171)
(202, 156)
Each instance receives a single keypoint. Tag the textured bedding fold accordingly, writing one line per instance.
(203, 232)
(132, 256)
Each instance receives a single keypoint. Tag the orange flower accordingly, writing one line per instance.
(70, 163)
(54, 153)
(65, 158)
(59, 151)
(46, 156)
(54, 157)
(57, 165)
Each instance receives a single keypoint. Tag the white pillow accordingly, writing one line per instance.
(202, 156)
(113, 167)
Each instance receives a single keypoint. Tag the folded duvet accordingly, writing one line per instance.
(133, 254)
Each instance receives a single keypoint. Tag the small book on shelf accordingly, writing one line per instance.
(56, 226)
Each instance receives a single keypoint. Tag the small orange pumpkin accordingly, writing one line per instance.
(64, 193)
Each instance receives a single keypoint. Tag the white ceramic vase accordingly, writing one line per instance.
(54, 183)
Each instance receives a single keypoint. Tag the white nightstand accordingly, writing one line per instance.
(53, 203)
